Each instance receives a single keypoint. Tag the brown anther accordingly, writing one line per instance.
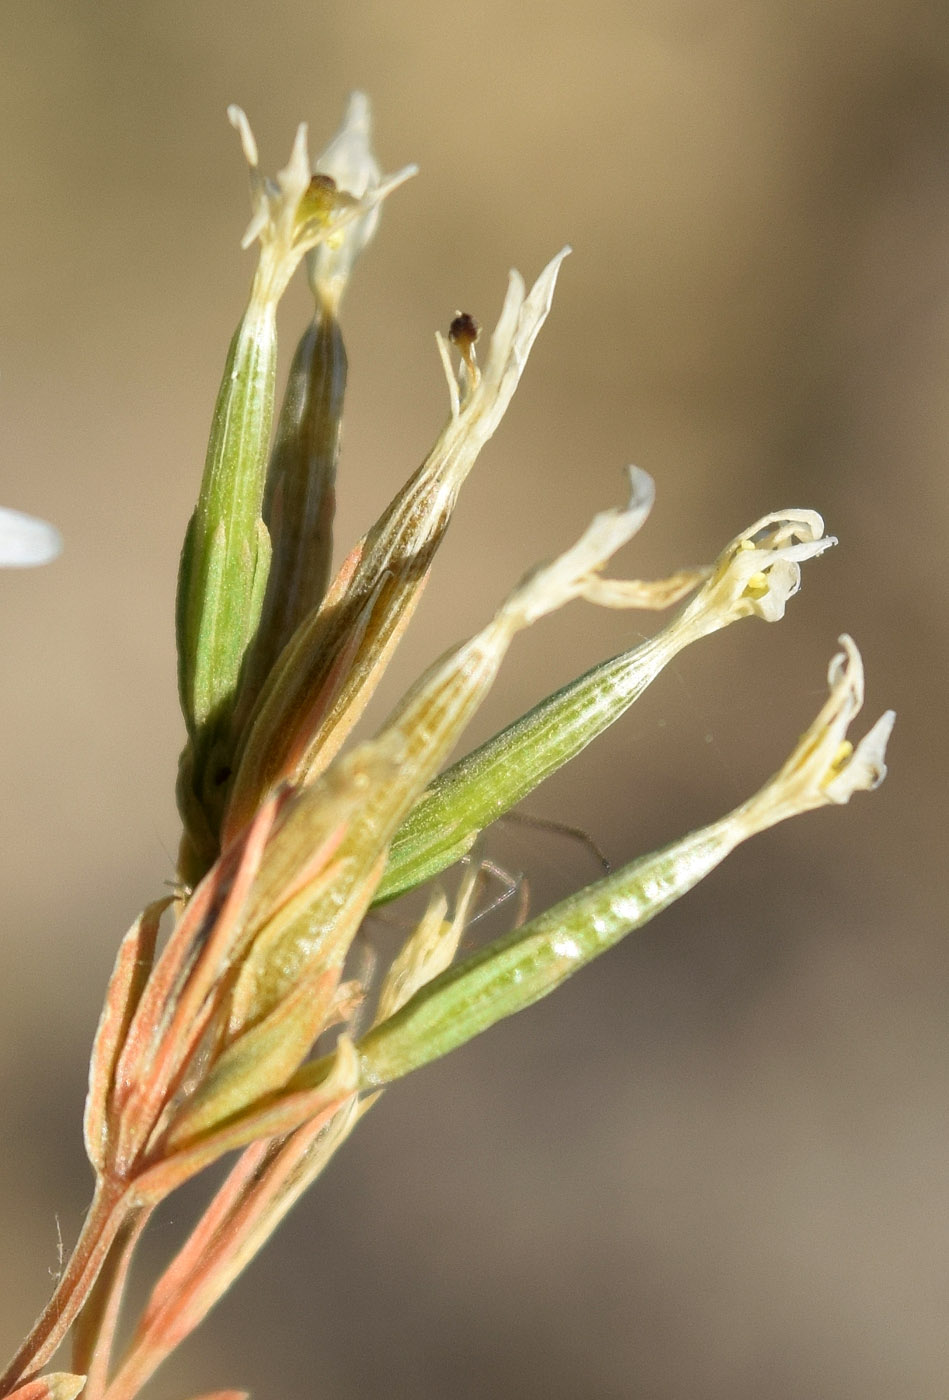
(463, 332)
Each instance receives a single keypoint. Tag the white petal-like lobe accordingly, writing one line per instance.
(824, 766)
(25, 541)
(348, 160)
(866, 768)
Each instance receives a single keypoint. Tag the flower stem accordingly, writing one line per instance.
(107, 1215)
(96, 1325)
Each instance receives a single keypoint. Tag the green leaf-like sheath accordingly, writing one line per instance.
(525, 965)
(492, 779)
(223, 569)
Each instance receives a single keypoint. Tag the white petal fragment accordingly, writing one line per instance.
(24, 540)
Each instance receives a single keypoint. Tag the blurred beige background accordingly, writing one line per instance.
(715, 1165)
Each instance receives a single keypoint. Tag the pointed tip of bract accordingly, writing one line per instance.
(541, 294)
(551, 268)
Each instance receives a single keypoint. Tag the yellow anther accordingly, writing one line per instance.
(321, 201)
(840, 759)
(757, 585)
